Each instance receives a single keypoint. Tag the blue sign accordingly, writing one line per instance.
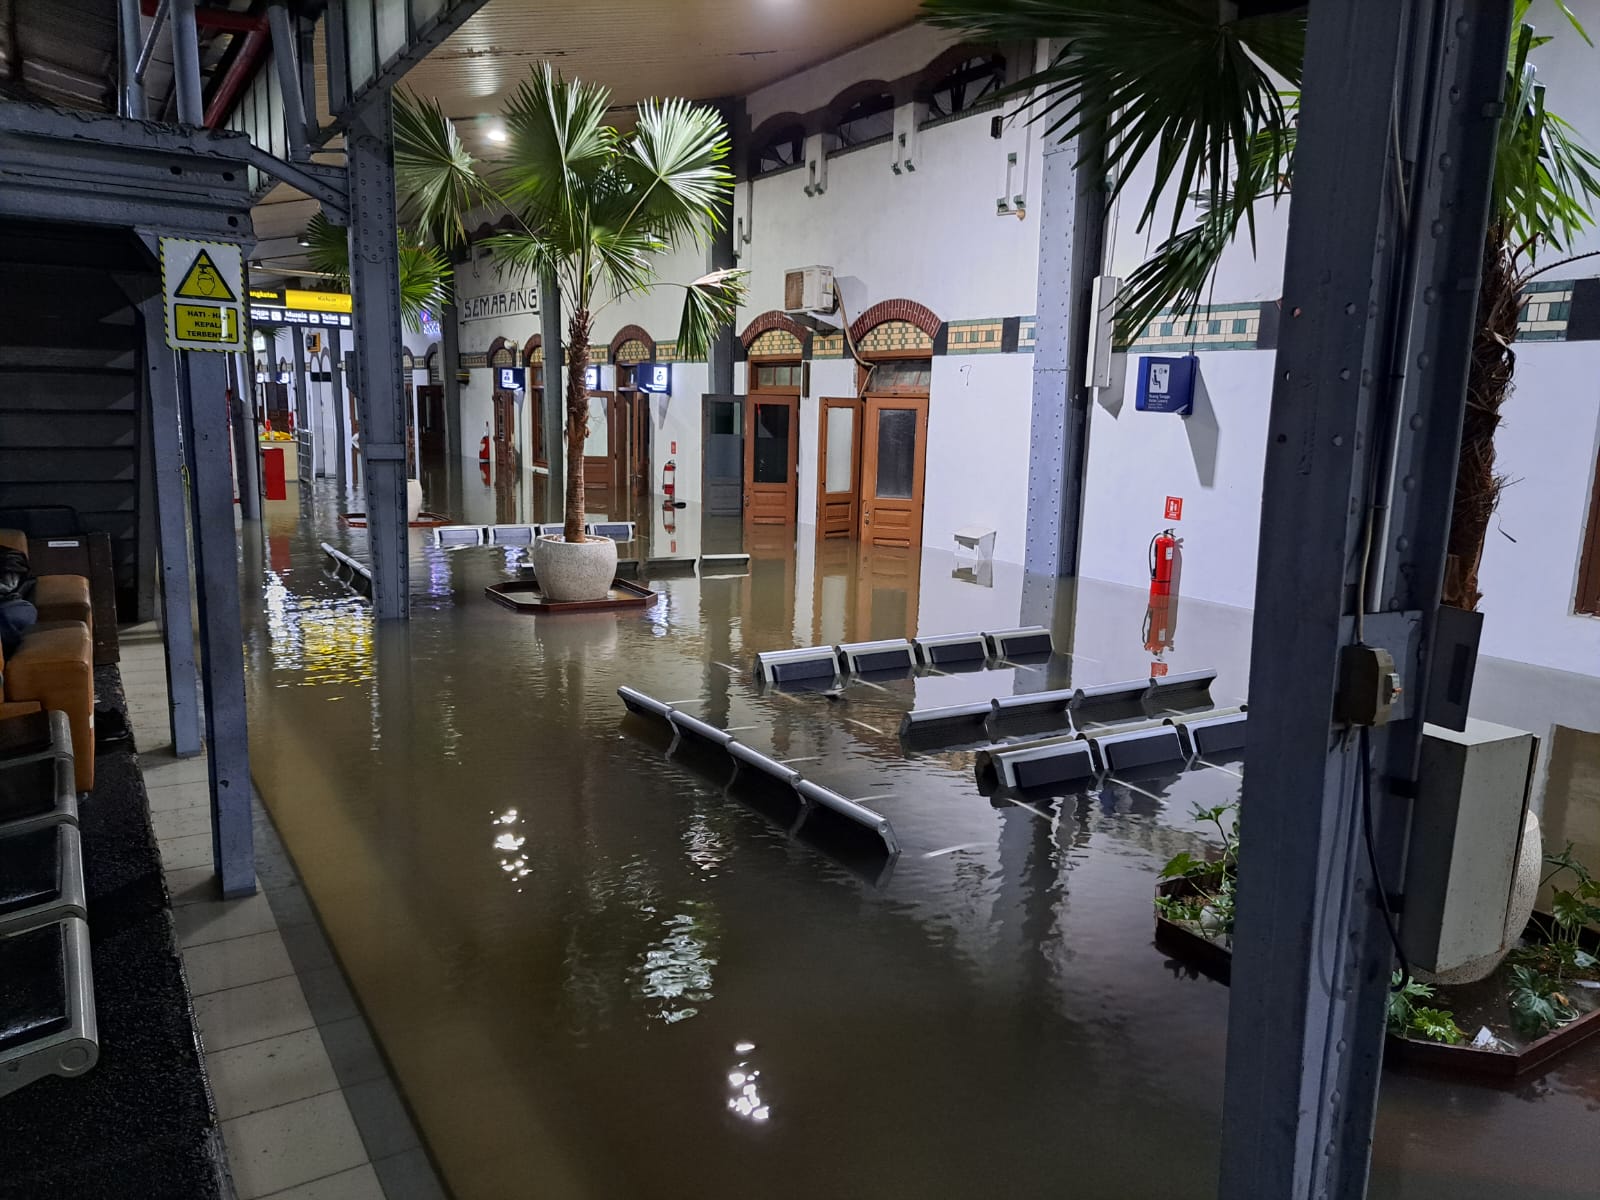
(591, 378)
(511, 379)
(653, 377)
(1166, 385)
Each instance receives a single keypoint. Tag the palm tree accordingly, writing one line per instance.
(1201, 96)
(590, 205)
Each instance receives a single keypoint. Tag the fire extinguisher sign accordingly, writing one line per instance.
(1174, 508)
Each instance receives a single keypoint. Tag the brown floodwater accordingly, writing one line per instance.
(595, 974)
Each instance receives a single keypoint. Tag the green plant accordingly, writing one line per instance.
(425, 273)
(590, 206)
(1537, 1004)
(1562, 955)
(1408, 1018)
(1208, 898)
(1191, 87)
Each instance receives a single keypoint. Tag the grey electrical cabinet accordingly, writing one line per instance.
(1466, 835)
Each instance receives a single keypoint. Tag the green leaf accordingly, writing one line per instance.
(435, 180)
(1569, 911)
(1437, 1025)
(1183, 864)
(710, 304)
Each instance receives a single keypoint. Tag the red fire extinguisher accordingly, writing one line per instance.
(1166, 562)
(669, 481)
(483, 446)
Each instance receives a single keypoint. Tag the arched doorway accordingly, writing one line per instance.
(775, 349)
(503, 434)
(430, 408)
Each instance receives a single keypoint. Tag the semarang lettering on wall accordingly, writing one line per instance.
(501, 304)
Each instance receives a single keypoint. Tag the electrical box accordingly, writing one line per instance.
(1102, 319)
(1466, 836)
(1166, 385)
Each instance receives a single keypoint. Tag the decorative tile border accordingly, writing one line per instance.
(474, 361)
(1211, 327)
(976, 337)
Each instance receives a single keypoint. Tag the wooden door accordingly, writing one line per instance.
(504, 439)
(637, 407)
(597, 453)
(722, 455)
(430, 405)
(893, 468)
(771, 458)
(839, 468)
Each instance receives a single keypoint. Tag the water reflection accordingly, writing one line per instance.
(575, 1027)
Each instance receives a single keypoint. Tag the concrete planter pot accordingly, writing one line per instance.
(413, 499)
(575, 571)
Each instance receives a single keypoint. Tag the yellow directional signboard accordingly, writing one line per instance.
(202, 283)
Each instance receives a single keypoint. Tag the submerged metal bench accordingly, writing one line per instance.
(809, 800)
(355, 575)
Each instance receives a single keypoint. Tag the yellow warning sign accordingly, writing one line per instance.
(203, 281)
(206, 323)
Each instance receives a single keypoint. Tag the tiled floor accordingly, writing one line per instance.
(307, 1106)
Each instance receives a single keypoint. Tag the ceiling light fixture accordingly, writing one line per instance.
(496, 133)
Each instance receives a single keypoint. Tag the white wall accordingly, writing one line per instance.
(1212, 460)
(1547, 449)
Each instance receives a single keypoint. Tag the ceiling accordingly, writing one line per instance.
(700, 49)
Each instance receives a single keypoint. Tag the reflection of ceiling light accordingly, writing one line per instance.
(305, 241)
(496, 133)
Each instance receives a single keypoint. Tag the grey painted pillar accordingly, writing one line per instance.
(129, 43)
(720, 257)
(186, 63)
(1072, 226)
(1379, 308)
(216, 563)
(455, 444)
(246, 437)
(285, 60)
(340, 431)
(380, 395)
(172, 524)
(552, 341)
(305, 434)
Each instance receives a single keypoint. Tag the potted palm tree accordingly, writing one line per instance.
(1201, 94)
(595, 208)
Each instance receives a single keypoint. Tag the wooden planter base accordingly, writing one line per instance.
(1215, 961)
(524, 596)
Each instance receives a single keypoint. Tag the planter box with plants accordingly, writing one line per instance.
(1542, 1001)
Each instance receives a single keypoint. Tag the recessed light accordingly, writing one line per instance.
(496, 133)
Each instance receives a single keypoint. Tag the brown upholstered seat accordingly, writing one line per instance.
(54, 667)
(57, 597)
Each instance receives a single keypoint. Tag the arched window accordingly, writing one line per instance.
(784, 146)
(503, 353)
(962, 80)
(867, 118)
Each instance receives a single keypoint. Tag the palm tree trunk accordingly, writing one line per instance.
(1488, 387)
(577, 419)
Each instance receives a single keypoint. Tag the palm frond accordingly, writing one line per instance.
(425, 273)
(558, 150)
(329, 250)
(425, 279)
(710, 304)
(435, 179)
(1169, 79)
(625, 259)
(674, 163)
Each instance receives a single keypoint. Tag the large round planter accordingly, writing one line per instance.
(413, 499)
(575, 570)
(1524, 890)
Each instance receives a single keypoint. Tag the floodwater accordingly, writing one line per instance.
(595, 974)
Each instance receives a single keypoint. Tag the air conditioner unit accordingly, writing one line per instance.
(809, 290)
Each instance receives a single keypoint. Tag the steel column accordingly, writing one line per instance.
(1072, 226)
(131, 89)
(246, 439)
(455, 444)
(555, 394)
(304, 433)
(172, 504)
(205, 381)
(285, 60)
(380, 396)
(720, 256)
(186, 63)
(1380, 285)
(163, 11)
(340, 433)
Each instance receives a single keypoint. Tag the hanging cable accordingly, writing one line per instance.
(1372, 856)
